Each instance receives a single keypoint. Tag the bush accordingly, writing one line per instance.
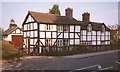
(9, 51)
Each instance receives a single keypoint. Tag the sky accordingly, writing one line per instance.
(106, 12)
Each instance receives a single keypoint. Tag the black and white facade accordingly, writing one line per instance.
(46, 32)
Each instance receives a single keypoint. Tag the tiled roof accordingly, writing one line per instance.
(52, 18)
(95, 25)
(10, 30)
(46, 18)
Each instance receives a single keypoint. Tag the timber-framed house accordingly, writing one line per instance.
(50, 32)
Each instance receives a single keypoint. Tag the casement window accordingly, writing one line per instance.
(65, 42)
(59, 42)
(48, 42)
(47, 27)
(71, 28)
(77, 28)
(60, 28)
(66, 28)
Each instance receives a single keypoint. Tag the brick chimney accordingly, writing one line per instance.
(86, 16)
(12, 24)
(69, 12)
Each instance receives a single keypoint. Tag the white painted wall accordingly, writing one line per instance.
(9, 37)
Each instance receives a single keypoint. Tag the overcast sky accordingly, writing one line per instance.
(106, 12)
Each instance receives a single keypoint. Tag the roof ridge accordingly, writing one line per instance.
(44, 13)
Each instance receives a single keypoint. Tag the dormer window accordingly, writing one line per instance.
(103, 28)
(89, 28)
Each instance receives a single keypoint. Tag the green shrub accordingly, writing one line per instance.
(9, 51)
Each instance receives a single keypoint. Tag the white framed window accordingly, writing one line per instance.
(71, 35)
(42, 34)
(77, 28)
(60, 28)
(59, 42)
(93, 37)
(71, 28)
(48, 42)
(71, 41)
(93, 42)
(66, 28)
(65, 42)
(84, 32)
(89, 38)
(77, 41)
(76, 35)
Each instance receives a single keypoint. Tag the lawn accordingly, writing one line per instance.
(8, 51)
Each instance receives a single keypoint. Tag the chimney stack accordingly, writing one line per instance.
(69, 12)
(86, 16)
(12, 24)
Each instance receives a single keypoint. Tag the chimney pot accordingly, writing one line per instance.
(86, 16)
(69, 12)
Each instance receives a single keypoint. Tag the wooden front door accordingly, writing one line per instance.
(18, 40)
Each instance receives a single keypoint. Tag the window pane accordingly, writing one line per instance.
(71, 35)
(71, 28)
(93, 37)
(84, 32)
(48, 34)
(98, 37)
(89, 38)
(76, 35)
(54, 35)
(71, 41)
(93, 42)
(76, 41)
(42, 34)
(93, 32)
(35, 25)
(84, 38)
(36, 33)
(98, 42)
(65, 35)
(77, 28)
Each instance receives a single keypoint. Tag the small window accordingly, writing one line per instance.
(48, 42)
(48, 27)
(65, 42)
(89, 27)
(29, 26)
(66, 28)
(60, 28)
(103, 28)
(60, 42)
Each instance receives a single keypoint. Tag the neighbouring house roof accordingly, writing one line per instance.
(10, 30)
(95, 25)
(46, 18)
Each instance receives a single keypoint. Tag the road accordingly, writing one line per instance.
(93, 61)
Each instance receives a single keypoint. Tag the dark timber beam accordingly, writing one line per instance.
(38, 36)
